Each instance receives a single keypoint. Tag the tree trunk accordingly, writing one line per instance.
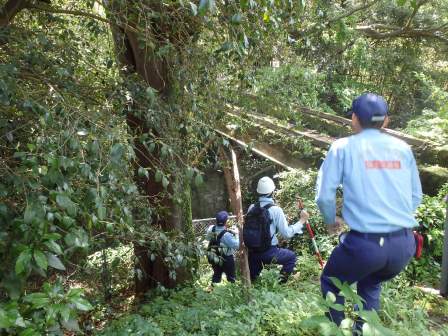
(9, 11)
(154, 71)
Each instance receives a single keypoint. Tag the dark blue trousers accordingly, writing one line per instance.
(368, 259)
(227, 266)
(274, 255)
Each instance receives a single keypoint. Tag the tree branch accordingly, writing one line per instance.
(49, 9)
(379, 31)
(352, 11)
(414, 12)
(9, 11)
(314, 28)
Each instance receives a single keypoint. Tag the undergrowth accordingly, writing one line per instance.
(296, 308)
(269, 308)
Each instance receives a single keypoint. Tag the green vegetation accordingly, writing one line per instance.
(107, 119)
(272, 309)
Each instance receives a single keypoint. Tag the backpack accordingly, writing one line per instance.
(257, 228)
(214, 247)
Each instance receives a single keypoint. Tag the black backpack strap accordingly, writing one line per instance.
(220, 235)
(267, 206)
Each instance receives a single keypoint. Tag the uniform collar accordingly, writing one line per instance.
(265, 199)
(370, 131)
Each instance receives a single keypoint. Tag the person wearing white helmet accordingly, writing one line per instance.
(264, 220)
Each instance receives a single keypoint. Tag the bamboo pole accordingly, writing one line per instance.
(232, 177)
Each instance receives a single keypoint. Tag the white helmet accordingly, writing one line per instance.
(265, 186)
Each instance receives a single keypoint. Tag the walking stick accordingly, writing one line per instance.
(313, 239)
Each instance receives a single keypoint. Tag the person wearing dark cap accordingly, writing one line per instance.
(224, 242)
(381, 190)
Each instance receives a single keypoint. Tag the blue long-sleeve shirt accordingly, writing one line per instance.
(279, 223)
(380, 180)
(229, 241)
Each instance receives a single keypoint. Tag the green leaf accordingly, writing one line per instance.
(151, 147)
(52, 236)
(38, 300)
(142, 172)
(20, 322)
(41, 259)
(33, 211)
(29, 214)
(116, 153)
(101, 212)
(369, 329)
(23, 261)
(337, 306)
(13, 284)
(53, 246)
(226, 46)
(65, 312)
(206, 6)
(194, 8)
(55, 262)
(266, 17)
(401, 2)
(164, 151)
(336, 282)
(198, 180)
(165, 182)
(4, 320)
(71, 324)
(82, 304)
(190, 173)
(29, 332)
(77, 238)
(151, 93)
(331, 298)
(66, 203)
(158, 176)
(236, 18)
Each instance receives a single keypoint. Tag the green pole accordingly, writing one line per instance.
(444, 283)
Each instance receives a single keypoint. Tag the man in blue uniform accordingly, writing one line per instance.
(382, 189)
(278, 223)
(228, 243)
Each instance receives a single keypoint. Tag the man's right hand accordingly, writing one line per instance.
(337, 227)
(304, 216)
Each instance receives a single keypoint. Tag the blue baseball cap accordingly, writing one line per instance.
(221, 217)
(369, 107)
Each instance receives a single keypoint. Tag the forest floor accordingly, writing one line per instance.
(268, 308)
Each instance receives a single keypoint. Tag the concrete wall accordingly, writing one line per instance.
(211, 197)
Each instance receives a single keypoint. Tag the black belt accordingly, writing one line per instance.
(376, 235)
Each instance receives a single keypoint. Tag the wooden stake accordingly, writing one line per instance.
(232, 177)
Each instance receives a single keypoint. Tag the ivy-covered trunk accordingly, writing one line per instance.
(139, 53)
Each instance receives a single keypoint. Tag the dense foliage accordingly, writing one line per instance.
(107, 117)
(272, 309)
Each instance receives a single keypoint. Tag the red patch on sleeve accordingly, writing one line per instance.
(382, 164)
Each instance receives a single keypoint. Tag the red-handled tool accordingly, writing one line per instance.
(313, 239)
